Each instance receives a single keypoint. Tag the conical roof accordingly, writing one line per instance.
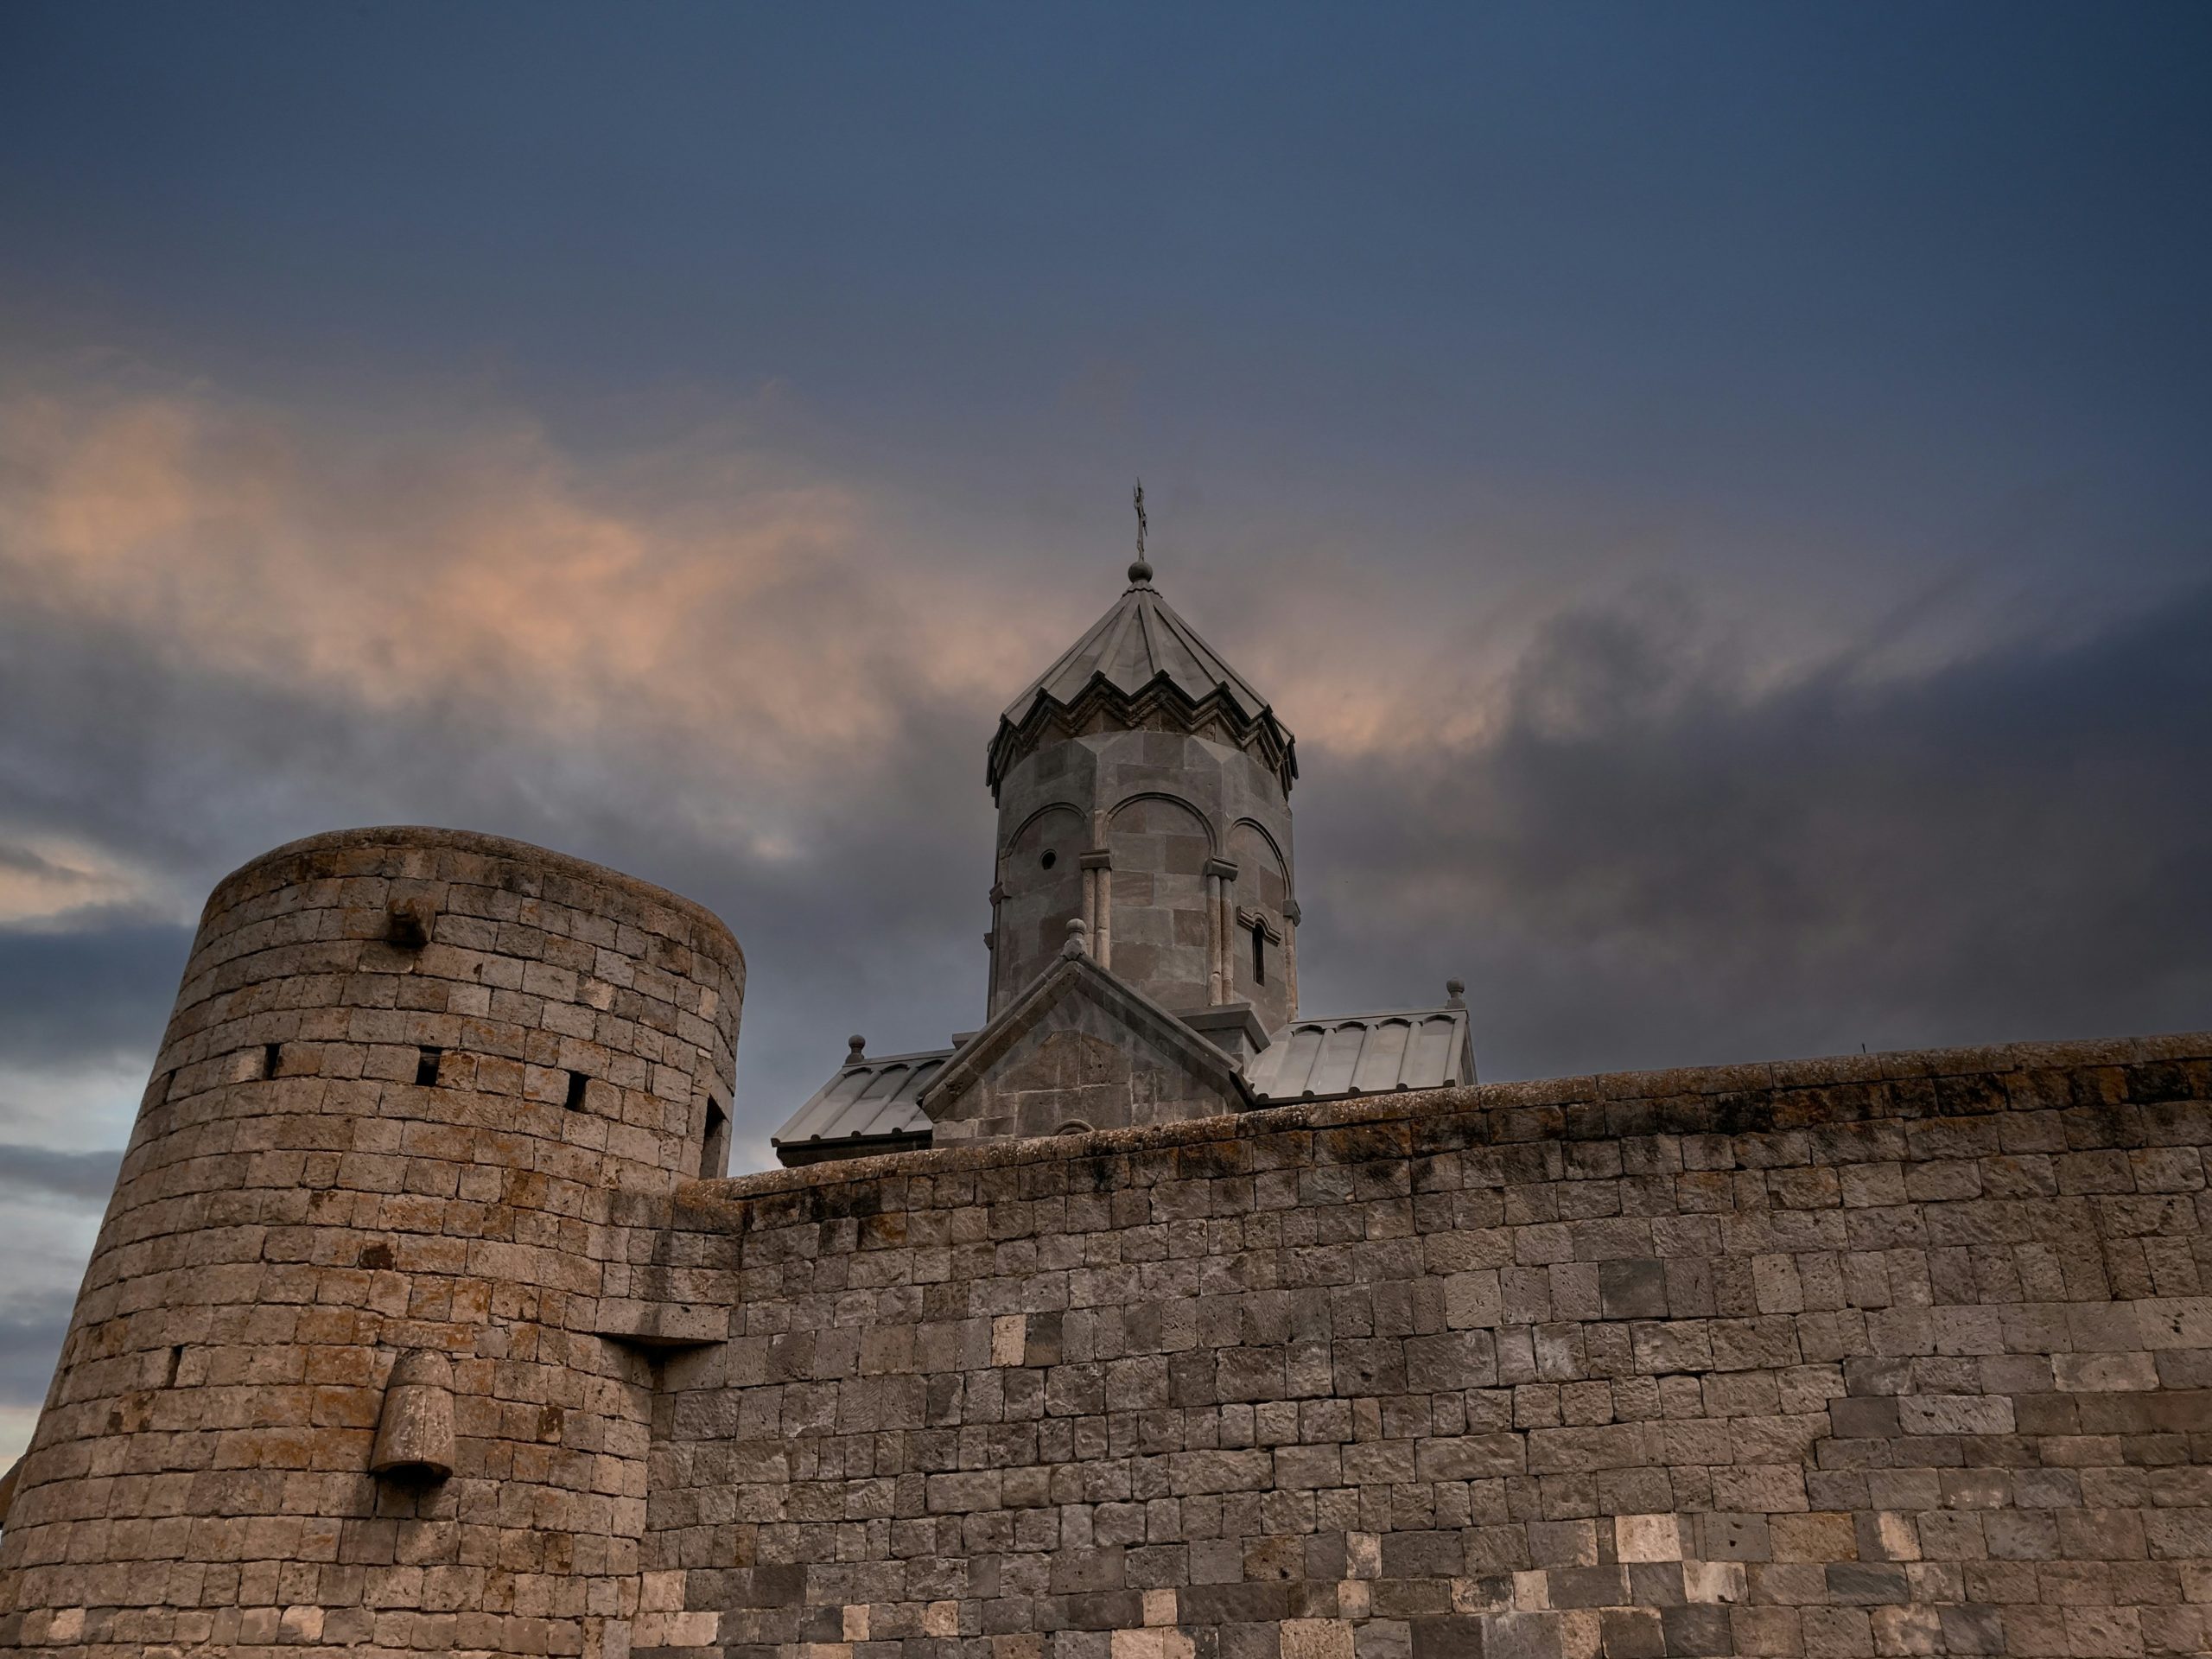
(1142, 650)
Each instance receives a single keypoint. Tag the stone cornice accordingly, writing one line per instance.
(1159, 705)
(2130, 1075)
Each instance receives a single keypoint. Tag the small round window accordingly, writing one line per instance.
(1051, 858)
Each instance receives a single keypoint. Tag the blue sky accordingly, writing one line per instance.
(1718, 491)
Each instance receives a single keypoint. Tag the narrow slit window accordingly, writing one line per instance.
(577, 1084)
(1259, 954)
(175, 1364)
(271, 1053)
(426, 1067)
(714, 1153)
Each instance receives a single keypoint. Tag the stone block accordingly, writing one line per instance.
(1734, 1538)
(1448, 1636)
(1633, 1288)
(2103, 1373)
(1317, 1638)
(1696, 1630)
(1955, 1414)
(1648, 1537)
(1631, 1633)
(1390, 1379)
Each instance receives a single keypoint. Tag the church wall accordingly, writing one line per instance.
(1262, 890)
(354, 1147)
(1076, 1066)
(1162, 934)
(1136, 786)
(1039, 898)
(1899, 1354)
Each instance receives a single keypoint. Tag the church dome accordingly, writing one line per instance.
(1140, 665)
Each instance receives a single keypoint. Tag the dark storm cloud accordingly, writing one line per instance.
(1654, 854)
(30, 1338)
(686, 486)
(100, 987)
(1656, 851)
(875, 909)
(1657, 859)
(83, 1179)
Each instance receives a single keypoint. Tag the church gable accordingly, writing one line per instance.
(1080, 1051)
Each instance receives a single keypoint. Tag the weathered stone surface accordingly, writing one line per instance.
(1428, 1370)
(1890, 1355)
(415, 1438)
(1142, 785)
(358, 1145)
(1079, 1051)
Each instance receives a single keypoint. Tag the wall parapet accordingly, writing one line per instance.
(2131, 1076)
(1885, 1355)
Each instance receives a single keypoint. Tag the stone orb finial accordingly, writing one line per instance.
(1079, 942)
(1455, 993)
(856, 1049)
(1141, 573)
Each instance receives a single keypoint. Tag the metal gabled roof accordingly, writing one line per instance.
(865, 1099)
(1365, 1054)
(871, 1101)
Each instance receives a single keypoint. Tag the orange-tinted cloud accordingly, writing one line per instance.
(769, 616)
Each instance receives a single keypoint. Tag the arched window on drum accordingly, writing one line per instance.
(1260, 950)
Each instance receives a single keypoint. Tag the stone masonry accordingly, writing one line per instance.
(1156, 1320)
(422, 1321)
(415, 1083)
(1906, 1354)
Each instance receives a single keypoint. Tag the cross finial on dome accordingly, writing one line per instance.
(1141, 571)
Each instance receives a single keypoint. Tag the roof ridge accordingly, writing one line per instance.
(1203, 650)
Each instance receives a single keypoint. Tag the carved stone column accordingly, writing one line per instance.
(1290, 914)
(1213, 937)
(1099, 902)
(1220, 899)
(991, 942)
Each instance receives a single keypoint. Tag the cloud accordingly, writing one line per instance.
(30, 1339)
(226, 624)
(99, 987)
(57, 883)
(742, 606)
(1660, 855)
(85, 1179)
(1643, 831)
(1645, 834)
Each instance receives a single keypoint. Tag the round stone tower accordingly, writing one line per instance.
(414, 1084)
(1143, 785)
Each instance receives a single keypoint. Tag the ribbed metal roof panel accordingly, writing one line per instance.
(872, 1097)
(1365, 1054)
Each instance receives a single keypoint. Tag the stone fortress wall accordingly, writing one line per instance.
(1904, 1354)
(1898, 1354)
(413, 1081)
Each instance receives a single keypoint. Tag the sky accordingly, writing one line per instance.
(1719, 493)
